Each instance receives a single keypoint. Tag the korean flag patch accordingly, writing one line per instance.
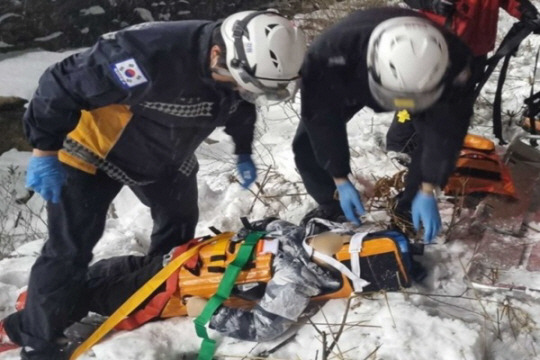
(129, 73)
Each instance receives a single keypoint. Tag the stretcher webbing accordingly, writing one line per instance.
(208, 345)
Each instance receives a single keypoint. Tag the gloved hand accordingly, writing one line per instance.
(195, 305)
(443, 7)
(350, 202)
(425, 210)
(45, 175)
(247, 170)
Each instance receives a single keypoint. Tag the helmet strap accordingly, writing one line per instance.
(239, 30)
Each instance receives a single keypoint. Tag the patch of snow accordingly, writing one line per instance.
(21, 70)
(32, 248)
(8, 15)
(441, 318)
(49, 37)
(92, 10)
(144, 14)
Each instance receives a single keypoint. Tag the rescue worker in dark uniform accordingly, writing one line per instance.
(132, 110)
(475, 23)
(388, 59)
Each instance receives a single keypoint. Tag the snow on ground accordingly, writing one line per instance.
(21, 70)
(441, 318)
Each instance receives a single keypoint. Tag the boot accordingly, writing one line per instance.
(28, 353)
(5, 342)
(331, 211)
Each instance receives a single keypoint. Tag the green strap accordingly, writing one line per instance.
(208, 346)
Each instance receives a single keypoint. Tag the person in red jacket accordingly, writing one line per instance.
(475, 23)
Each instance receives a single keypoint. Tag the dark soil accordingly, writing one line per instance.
(11, 129)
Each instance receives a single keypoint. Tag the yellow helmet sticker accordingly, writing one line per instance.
(404, 103)
(403, 116)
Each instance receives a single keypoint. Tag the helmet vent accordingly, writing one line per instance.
(394, 71)
(269, 28)
(397, 40)
(434, 40)
(274, 59)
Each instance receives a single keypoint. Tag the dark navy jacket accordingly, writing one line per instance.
(335, 87)
(160, 71)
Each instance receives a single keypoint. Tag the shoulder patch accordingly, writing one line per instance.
(129, 73)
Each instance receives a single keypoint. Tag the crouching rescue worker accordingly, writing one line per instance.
(388, 59)
(475, 23)
(292, 265)
(132, 110)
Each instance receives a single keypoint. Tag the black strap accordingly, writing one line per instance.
(246, 223)
(448, 22)
(449, 19)
(214, 230)
(508, 47)
(497, 102)
(239, 31)
(531, 111)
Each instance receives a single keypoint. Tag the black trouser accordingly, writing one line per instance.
(112, 281)
(318, 182)
(56, 284)
(413, 179)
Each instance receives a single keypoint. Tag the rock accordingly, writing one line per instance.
(11, 103)
(55, 25)
(11, 128)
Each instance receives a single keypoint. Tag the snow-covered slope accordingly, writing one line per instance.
(440, 318)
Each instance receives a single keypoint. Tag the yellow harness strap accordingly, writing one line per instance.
(136, 299)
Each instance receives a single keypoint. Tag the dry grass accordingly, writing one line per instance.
(321, 14)
(19, 222)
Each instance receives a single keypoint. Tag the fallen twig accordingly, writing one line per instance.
(260, 190)
(343, 320)
(389, 308)
(373, 352)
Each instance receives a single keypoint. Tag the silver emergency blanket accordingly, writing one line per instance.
(296, 279)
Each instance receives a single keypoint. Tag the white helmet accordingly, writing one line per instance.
(264, 54)
(407, 61)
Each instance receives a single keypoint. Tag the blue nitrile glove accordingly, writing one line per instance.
(350, 202)
(424, 209)
(45, 175)
(246, 170)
